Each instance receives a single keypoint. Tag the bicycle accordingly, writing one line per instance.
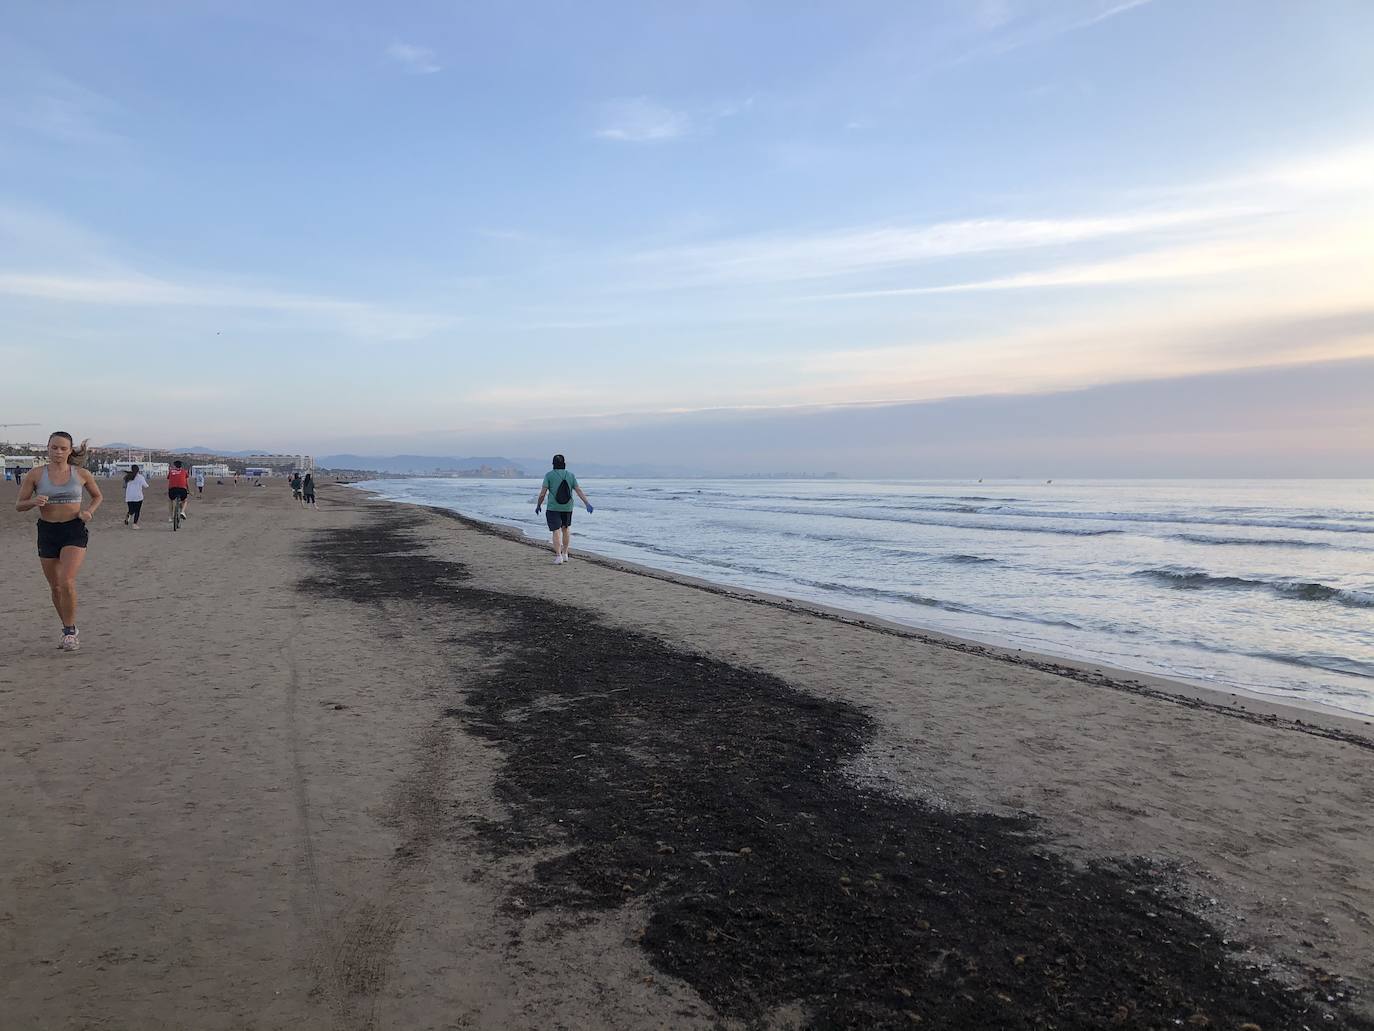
(176, 514)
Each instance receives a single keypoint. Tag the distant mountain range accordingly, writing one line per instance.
(429, 465)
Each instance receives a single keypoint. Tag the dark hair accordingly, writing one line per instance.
(177, 463)
(559, 462)
(128, 477)
(78, 455)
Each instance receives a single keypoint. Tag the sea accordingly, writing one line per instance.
(1265, 586)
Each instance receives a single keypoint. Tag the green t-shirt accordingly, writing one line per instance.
(552, 479)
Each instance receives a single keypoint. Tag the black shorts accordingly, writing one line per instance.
(53, 537)
(557, 520)
(177, 492)
(310, 496)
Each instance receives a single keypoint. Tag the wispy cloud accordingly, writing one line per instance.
(354, 317)
(1166, 264)
(1012, 24)
(60, 110)
(641, 120)
(1091, 351)
(841, 252)
(415, 60)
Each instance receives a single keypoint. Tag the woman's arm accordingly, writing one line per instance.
(97, 498)
(27, 498)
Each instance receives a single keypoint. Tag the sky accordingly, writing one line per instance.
(448, 227)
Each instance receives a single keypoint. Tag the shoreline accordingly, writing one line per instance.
(1255, 706)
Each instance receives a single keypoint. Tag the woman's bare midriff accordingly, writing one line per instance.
(59, 513)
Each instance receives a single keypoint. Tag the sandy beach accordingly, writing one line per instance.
(374, 766)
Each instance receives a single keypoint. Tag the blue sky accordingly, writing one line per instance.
(331, 226)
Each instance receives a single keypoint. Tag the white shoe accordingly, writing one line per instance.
(558, 560)
(70, 642)
(137, 527)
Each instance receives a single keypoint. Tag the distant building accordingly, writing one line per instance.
(212, 469)
(303, 463)
(152, 470)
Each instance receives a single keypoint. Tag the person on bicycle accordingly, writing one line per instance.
(559, 486)
(178, 488)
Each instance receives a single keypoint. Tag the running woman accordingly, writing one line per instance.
(134, 485)
(178, 486)
(55, 490)
(559, 486)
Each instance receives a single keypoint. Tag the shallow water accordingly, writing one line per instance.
(1265, 585)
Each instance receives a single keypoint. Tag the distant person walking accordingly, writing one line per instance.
(296, 488)
(55, 490)
(134, 485)
(200, 483)
(308, 490)
(559, 486)
(178, 489)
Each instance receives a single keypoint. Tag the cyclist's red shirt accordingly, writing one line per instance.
(177, 478)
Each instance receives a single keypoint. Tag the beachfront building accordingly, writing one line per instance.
(256, 472)
(282, 463)
(213, 469)
(152, 470)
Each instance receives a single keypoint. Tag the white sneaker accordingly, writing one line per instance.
(558, 560)
(70, 642)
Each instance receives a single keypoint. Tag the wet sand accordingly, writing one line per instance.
(370, 766)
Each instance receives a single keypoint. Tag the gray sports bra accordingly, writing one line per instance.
(68, 493)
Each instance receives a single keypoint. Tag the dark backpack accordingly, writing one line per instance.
(564, 493)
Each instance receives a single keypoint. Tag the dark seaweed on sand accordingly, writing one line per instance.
(716, 797)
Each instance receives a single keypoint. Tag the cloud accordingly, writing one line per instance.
(355, 317)
(415, 60)
(1169, 264)
(60, 110)
(1012, 26)
(782, 258)
(640, 120)
(1109, 349)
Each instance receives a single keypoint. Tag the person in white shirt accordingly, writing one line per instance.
(200, 483)
(134, 483)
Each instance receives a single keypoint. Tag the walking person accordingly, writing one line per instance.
(178, 489)
(296, 488)
(55, 489)
(134, 485)
(559, 486)
(308, 490)
(200, 483)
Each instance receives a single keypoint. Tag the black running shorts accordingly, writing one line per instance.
(177, 492)
(53, 537)
(557, 520)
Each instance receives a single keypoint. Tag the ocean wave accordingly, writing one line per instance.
(1196, 579)
(1200, 538)
(913, 521)
(1329, 663)
(1352, 522)
(968, 559)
